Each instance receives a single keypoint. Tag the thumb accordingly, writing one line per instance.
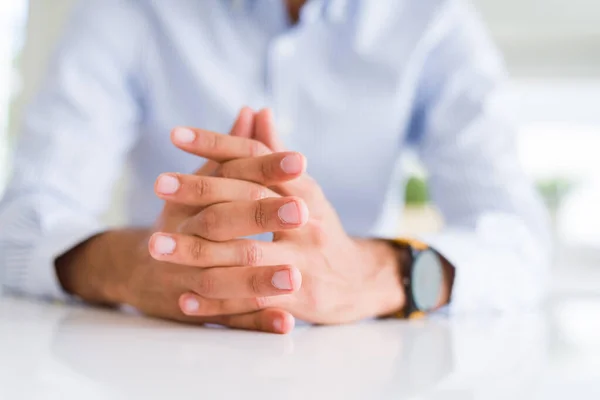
(264, 130)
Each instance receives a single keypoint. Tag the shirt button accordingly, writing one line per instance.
(285, 126)
(286, 48)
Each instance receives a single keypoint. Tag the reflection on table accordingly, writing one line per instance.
(73, 352)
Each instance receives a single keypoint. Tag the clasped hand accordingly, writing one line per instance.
(311, 270)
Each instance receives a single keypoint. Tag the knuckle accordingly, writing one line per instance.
(255, 148)
(225, 171)
(197, 250)
(260, 215)
(255, 284)
(257, 193)
(207, 142)
(266, 171)
(208, 222)
(205, 285)
(202, 187)
(257, 322)
(213, 142)
(261, 302)
(253, 254)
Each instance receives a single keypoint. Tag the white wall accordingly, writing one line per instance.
(46, 23)
(552, 38)
(542, 17)
(46, 20)
(12, 18)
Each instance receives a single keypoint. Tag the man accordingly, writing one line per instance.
(352, 83)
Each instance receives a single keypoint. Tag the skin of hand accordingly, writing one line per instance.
(115, 267)
(235, 282)
(343, 279)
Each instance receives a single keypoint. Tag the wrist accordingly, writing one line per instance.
(99, 269)
(77, 271)
(384, 293)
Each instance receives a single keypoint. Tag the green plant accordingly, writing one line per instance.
(554, 190)
(551, 190)
(416, 193)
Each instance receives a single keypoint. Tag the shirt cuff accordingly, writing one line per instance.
(42, 278)
(31, 247)
(491, 276)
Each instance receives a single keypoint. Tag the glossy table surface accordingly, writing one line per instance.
(52, 351)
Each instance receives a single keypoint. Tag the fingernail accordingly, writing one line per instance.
(289, 213)
(167, 184)
(278, 325)
(292, 164)
(184, 135)
(164, 245)
(282, 280)
(191, 305)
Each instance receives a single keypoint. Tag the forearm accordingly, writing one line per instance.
(99, 270)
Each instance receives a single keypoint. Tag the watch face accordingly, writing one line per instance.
(427, 280)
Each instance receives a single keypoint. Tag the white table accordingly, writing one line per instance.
(51, 351)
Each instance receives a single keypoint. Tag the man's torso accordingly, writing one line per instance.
(342, 84)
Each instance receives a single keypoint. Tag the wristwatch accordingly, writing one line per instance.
(424, 277)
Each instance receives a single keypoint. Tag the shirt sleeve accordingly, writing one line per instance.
(496, 230)
(75, 138)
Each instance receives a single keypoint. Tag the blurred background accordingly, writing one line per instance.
(552, 49)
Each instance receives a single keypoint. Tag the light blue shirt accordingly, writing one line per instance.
(352, 85)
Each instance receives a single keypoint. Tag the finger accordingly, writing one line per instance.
(193, 305)
(226, 221)
(215, 146)
(243, 282)
(200, 191)
(305, 186)
(197, 252)
(244, 124)
(265, 132)
(272, 320)
(266, 170)
(242, 127)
